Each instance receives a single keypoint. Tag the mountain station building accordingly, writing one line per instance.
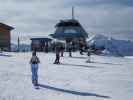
(5, 36)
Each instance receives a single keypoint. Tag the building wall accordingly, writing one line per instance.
(41, 45)
(4, 38)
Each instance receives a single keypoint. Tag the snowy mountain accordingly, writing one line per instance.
(22, 47)
(112, 46)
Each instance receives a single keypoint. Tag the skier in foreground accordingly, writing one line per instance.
(34, 61)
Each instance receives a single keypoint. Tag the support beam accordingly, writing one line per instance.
(73, 17)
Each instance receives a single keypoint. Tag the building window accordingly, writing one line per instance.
(70, 31)
(36, 42)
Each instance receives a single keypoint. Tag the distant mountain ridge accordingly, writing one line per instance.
(112, 46)
(22, 47)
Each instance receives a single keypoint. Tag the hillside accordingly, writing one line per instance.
(112, 46)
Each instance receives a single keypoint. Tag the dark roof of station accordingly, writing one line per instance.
(42, 39)
(70, 22)
(6, 26)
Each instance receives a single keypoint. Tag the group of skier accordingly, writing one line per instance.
(59, 51)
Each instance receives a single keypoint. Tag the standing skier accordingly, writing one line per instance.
(89, 56)
(57, 51)
(70, 49)
(34, 61)
(62, 50)
(81, 45)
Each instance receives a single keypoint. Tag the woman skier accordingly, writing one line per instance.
(34, 61)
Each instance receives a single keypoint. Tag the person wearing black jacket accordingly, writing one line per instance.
(57, 51)
(62, 50)
(34, 61)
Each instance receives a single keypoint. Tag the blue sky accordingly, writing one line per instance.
(38, 17)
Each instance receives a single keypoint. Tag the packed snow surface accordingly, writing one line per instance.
(105, 78)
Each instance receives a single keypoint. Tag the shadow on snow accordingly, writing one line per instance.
(79, 57)
(104, 63)
(72, 92)
(76, 65)
(93, 61)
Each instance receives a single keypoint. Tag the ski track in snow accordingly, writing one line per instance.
(74, 79)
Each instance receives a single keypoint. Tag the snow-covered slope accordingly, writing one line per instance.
(112, 46)
(107, 78)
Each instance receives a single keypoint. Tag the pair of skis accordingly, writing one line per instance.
(36, 86)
